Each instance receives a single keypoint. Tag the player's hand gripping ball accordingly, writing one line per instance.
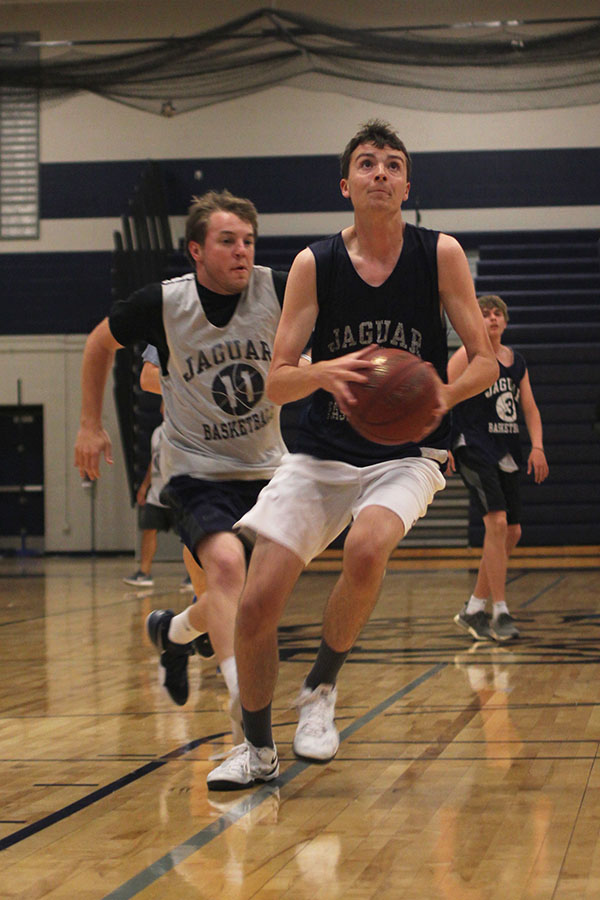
(396, 404)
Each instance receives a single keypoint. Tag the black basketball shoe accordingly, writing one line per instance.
(173, 657)
(203, 647)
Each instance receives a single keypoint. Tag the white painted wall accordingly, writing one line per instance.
(48, 368)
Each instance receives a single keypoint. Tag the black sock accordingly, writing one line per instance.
(257, 726)
(326, 667)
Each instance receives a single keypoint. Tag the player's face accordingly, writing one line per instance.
(224, 262)
(377, 178)
(494, 322)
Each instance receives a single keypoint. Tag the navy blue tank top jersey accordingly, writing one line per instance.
(488, 422)
(403, 312)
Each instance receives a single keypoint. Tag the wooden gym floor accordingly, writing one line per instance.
(465, 772)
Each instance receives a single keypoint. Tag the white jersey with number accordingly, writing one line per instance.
(219, 424)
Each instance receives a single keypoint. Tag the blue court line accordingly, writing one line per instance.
(249, 802)
(72, 808)
(510, 578)
(102, 792)
(542, 591)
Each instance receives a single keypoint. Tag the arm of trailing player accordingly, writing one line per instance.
(288, 378)
(150, 378)
(536, 461)
(92, 440)
(457, 294)
(457, 364)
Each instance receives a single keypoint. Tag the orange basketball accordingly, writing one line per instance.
(397, 402)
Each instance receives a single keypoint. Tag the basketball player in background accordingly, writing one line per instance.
(153, 516)
(487, 451)
(379, 281)
(196, 579)
(214, 331)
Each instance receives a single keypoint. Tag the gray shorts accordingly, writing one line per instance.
(309, 501)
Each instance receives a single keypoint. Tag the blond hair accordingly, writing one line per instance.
(203, 207)
(493, 301)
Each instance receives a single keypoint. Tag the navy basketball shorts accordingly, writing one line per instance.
(203, 507)
(490, 489)
(155, 518)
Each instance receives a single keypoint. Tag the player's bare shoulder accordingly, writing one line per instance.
(455, 281)
(449, 250)
(305, 260)
(302, 273)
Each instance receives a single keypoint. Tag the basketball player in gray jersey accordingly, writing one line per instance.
(214, 330)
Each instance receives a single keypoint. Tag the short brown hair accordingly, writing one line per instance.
(203, 207)
(493, 301)
(377, 132)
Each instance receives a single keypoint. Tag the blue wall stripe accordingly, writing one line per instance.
(474, 179)
(54, 293)
(69, 293)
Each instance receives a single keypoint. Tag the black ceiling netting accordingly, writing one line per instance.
(473, 67)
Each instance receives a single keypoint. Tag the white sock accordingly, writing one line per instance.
(180, 630)
(475, 605)
(500, 608)
(229, 670)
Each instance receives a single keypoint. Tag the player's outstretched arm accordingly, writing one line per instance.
(92, 440)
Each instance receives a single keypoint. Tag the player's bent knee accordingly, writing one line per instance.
(257, 617)
(227, 570)
(495, 522)
(364, 562)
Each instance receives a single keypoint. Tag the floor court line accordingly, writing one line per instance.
(248, 802)
(542, 591)
(132, 596)
(72, 808)
(107, 789)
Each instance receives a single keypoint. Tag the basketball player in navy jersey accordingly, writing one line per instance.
(379, 281)
(214, 330)
(487, 451)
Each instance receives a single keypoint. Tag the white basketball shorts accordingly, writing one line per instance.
(310, 501)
